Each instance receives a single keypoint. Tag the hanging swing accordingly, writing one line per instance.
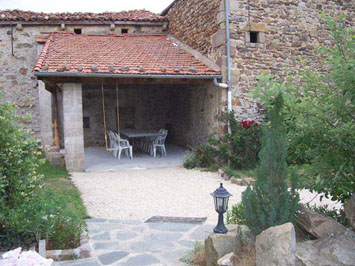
(104, 117)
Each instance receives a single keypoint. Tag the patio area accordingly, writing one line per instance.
(97, 159)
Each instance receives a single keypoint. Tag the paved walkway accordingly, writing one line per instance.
(135, 243)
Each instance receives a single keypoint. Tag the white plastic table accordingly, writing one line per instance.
(138, 133)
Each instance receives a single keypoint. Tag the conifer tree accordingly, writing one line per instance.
(269, 202)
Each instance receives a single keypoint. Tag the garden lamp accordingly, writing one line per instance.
(221, 197)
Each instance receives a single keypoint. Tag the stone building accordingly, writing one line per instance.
(165, 66)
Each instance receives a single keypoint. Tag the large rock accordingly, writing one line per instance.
(276, 246)
(218, 245)
(317, 224)
(349, 208)
(338, 249)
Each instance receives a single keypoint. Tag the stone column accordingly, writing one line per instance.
(73, 127)
(45, 109)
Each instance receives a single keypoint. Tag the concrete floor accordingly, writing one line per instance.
(98, 159)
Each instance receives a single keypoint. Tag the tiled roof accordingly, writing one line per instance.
(124, 54)
(29, 16)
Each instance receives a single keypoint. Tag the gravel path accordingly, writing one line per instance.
(141, 194)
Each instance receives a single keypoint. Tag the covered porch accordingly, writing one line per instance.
(179, 96)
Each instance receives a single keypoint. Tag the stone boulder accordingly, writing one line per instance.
(317, 224)
(276, 246)
(218, 245)
(349, 208)
(337, 249)
(222, 174)
(239, 181)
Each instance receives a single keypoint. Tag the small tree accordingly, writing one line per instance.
(270, 203)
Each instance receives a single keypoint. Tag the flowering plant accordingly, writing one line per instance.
(240, 147)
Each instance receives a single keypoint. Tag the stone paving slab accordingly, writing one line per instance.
(135, 243)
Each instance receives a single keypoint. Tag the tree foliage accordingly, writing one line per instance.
(270, 203)
(25, 202)
(319, 113)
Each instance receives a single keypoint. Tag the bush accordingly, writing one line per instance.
(239, 148)
(270, 203)
(202, 157)
(25, 202)
(236, 214)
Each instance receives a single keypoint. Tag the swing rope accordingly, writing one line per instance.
(104, 116)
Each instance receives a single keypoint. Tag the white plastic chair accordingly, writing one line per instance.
(159, 141)
(119, 144)
(111, 141)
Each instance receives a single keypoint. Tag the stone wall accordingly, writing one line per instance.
(194, 22)
(17, 81)
(288, 30)
(187, 111)
(195, 114)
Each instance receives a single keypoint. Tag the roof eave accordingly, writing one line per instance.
(110, 75)
(166, 10)
(85, 22)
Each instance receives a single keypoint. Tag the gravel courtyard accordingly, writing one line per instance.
(141, 194)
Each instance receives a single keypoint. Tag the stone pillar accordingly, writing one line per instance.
(73, 127)
(45, 109)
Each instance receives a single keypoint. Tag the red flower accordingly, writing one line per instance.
(199, 151)
(240, 155)
(251, 122)
(245, 124)
(256, 124)
(232, 153)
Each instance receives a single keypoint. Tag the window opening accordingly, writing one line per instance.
(124, 31)
(254, 36)
(77, 31)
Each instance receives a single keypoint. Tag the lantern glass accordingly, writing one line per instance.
(221, 204)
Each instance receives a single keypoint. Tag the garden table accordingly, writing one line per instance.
(140, 138)
(138, 133)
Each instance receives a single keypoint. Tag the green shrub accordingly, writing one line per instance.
(25, 202)
(202, 157)
(20, 157)
(270, 203)
(236, 214)
(319, 113)
(239, 149)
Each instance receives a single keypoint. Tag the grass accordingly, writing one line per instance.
(58, 180)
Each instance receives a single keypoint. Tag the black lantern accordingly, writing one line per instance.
(221, 197)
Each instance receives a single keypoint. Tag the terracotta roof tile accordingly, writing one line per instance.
(124, 54)
(29, 16)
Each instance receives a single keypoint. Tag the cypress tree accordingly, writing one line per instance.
(269, 202)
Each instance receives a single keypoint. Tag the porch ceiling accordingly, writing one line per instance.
(128, 55)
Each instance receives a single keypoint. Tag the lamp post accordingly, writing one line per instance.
(221, 197)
